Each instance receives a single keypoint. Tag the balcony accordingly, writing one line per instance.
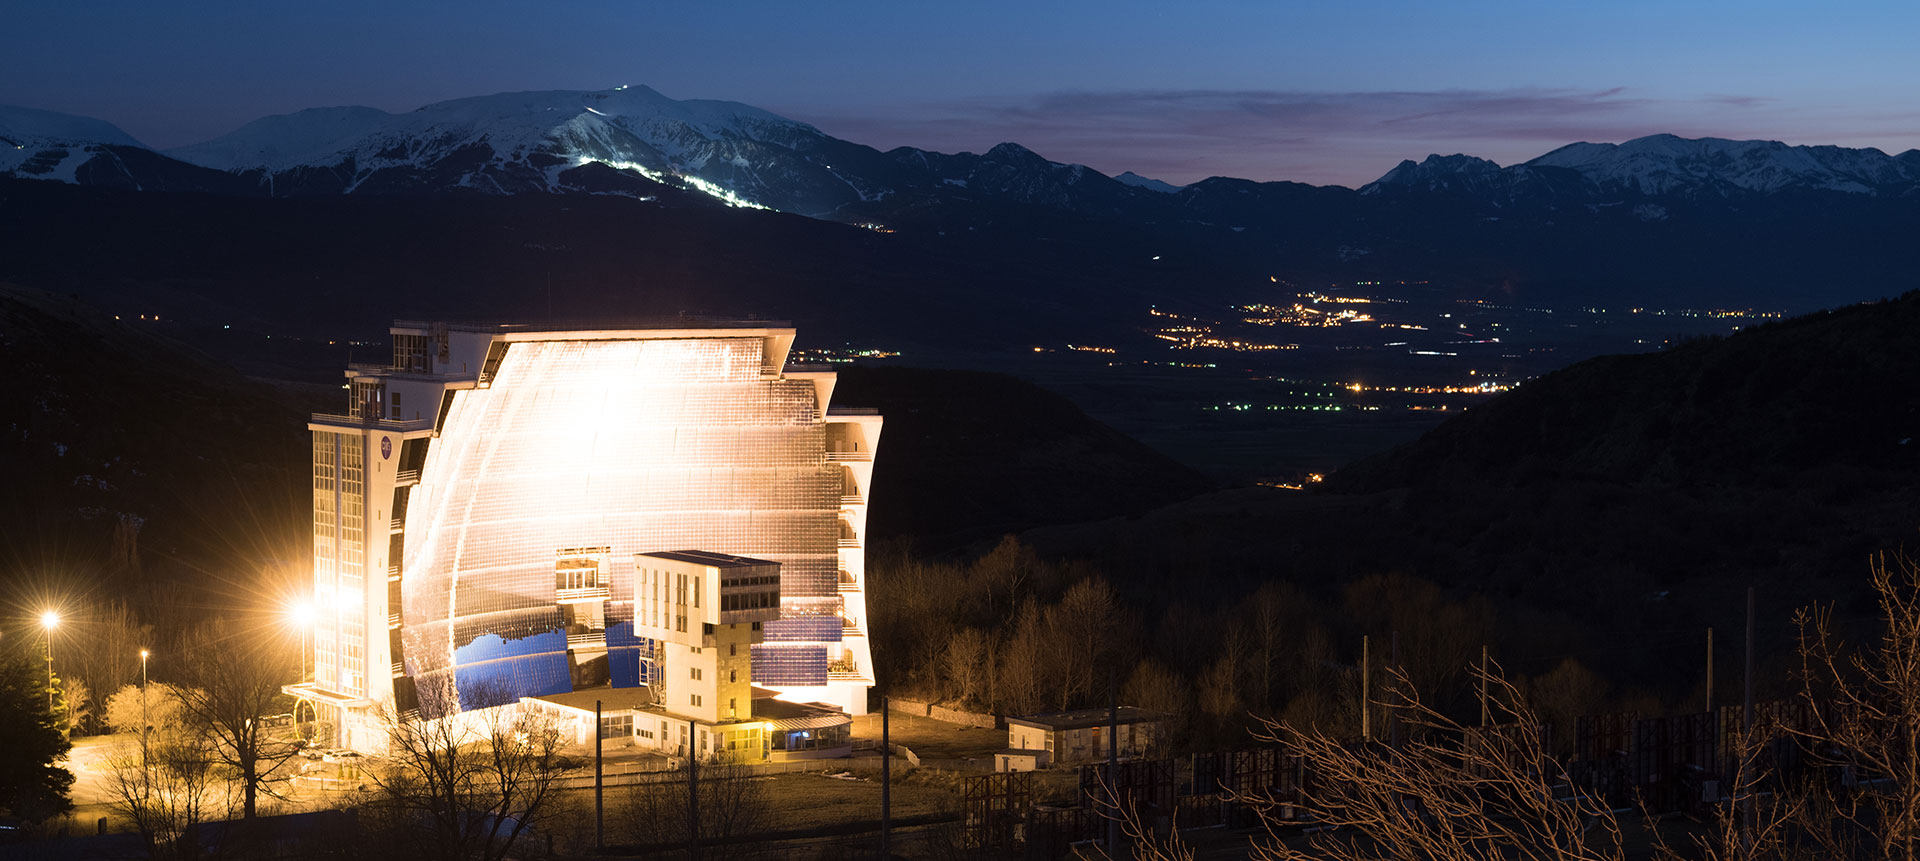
(842, 456)
(582, 595)
(406, 478)
(850, 543)
(359, 423)
(852, 499)
(848, 583)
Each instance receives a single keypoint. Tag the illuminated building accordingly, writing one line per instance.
(494, 510)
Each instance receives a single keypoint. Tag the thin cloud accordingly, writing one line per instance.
(1344, 138)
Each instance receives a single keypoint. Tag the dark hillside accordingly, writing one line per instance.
(139, 466)
(135, 465)
(1829, 393)
(968, 455)
(1608, 511)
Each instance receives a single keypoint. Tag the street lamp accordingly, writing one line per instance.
(145, 723)
(49, 620)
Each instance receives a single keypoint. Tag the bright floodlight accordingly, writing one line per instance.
(49, 620)
(302, 613)
(143, 654)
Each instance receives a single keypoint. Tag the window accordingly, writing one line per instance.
(696, 674)
(733, 648)
(396, 405)
(733, 675)
(694, 699)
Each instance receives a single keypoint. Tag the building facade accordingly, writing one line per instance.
(1082, 736)
(496, 512)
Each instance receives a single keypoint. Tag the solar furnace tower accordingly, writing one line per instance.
(482, 508)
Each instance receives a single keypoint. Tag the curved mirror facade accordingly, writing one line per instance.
(538, 493)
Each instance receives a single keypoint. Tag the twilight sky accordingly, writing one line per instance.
(1322, 92)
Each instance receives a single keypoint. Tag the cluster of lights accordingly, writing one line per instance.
(829, 355)
(1297, 314)
(1486, 388)
(718, 192)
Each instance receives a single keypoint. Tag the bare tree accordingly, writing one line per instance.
(469, 785)
(232, 685)
(1021, 686)
(1083, 624)
(1154, 687)
(167, 785)
(79, 702)
(1450, 792)
(732, 800)
(133, 708)
(965, 656)
(1867, 724)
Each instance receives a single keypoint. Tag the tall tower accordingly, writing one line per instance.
(483, 507)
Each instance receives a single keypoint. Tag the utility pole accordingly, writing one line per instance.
(1751, 819)
(693, 790)
(1366, 687)
(1113, 760)
(1710, 674)
(599, 786)
(886, 781)
(1486, 716)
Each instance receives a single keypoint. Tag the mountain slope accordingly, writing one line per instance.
(1815, 393)
(1663, 165)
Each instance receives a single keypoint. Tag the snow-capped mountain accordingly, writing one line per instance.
(519, 142)
(51, 145)
(46, 145)
(1660, 165)
(1665, 164)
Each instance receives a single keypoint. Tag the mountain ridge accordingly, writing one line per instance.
(520, 142)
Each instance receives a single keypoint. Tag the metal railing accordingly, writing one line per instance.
(836, 456)
(395, 425)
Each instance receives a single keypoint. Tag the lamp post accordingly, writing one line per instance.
(49, 620)
(145, 723)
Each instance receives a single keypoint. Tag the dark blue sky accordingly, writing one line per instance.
(1319, 92)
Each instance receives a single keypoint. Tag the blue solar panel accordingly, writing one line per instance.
(805, 629)
(789, 665)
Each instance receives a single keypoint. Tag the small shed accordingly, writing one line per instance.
(1015, 759)
(1081, 736)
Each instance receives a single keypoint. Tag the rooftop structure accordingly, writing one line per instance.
(508, 512)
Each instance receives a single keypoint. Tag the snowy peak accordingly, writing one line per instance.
(528, 141)
(285, 140)
(1138, 181)
(47, 145)
(26, 127)
(1668, 164)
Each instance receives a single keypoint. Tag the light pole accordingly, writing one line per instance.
(145, 723)
(49, 620)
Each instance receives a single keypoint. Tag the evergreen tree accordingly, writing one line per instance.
(33, 783)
